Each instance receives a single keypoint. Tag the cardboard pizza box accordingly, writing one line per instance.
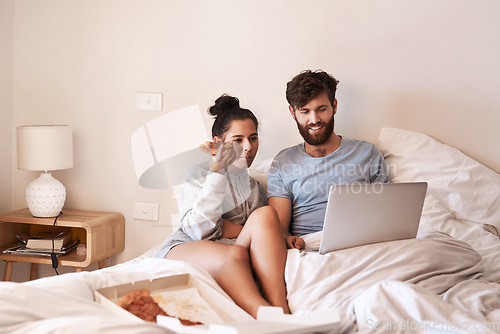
(224, 307)
(272, 320)
(199, 301)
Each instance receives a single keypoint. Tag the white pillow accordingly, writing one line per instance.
(259, 170)
(468, 189)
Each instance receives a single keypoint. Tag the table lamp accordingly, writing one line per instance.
(45, 148)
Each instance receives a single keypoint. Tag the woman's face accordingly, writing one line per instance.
(243, 135)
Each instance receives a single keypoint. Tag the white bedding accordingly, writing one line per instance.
(354, 280)
(447, 280)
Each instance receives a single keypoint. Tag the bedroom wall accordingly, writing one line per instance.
(425, 66)
(6, 83)
(6, 77)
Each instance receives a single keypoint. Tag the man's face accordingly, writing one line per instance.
(315, 120)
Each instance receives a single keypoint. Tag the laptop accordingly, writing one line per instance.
(361, 214)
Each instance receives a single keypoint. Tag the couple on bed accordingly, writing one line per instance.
(234, 229)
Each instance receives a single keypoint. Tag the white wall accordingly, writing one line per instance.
(427, 66)
(6, 84)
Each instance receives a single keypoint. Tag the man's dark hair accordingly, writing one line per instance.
(307, 85)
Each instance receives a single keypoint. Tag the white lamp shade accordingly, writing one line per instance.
(44, 147)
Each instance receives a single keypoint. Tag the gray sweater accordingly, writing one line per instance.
(206, 198)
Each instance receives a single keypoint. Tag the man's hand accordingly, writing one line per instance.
(294, 242)
(230, 230)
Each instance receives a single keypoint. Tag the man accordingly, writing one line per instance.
(301, 176)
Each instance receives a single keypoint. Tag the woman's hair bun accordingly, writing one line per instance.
(223, 103)
(225, 110)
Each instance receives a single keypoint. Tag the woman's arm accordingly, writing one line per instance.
(203, 192)
(200, 205)
(230, 230)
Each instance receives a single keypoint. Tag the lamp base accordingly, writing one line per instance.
(45, 196)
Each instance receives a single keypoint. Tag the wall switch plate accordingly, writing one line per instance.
(146, 211)
(149, 101)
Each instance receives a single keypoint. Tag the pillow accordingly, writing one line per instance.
(468, 189)
(259, 170)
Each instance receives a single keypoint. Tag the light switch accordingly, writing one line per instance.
(149, 101)
(146, 211)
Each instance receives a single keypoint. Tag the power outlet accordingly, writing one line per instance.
(146, 211)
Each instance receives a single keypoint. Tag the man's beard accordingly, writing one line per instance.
(320, 138)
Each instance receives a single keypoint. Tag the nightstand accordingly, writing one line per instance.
(103, 234)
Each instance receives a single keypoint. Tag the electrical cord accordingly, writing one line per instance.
(53, 255)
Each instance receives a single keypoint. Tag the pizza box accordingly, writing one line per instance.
(224, 308)
(199, 301)
(272, 320)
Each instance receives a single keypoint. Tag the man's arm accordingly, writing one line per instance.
(378, 168)
(283, 207)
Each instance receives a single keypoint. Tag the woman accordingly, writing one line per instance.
(226, 227)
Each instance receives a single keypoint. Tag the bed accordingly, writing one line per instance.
(445, 280)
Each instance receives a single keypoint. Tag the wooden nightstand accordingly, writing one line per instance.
(103, 233)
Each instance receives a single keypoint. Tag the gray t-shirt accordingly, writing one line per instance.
(306, 180)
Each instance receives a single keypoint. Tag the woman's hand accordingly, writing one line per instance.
(294, 242)
(230, 230)
(224, 157)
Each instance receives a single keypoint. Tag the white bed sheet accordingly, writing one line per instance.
(65, 303)
(404, 273)
(371, 286)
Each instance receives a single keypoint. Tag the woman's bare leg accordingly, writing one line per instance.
(229, 265)
(263, 236)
